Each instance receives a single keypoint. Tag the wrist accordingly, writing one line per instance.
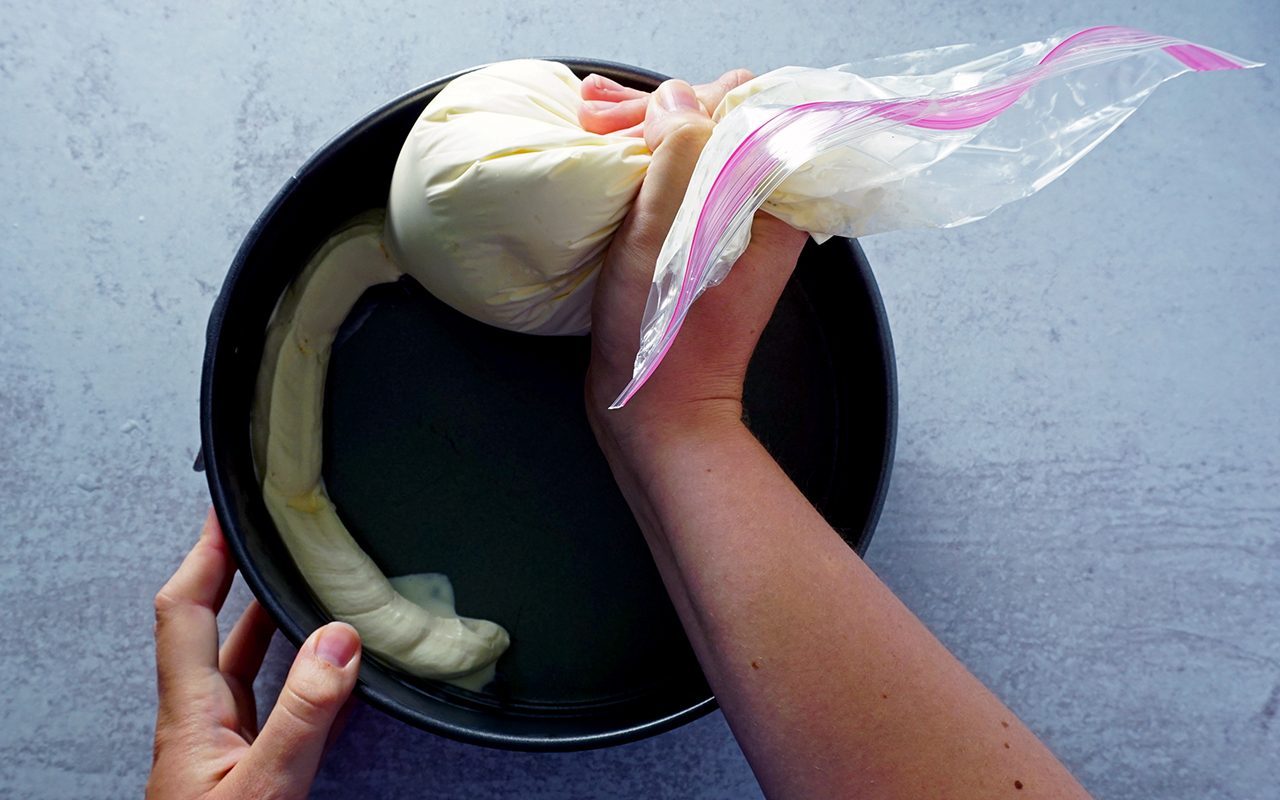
(653, 454)
(645, 430)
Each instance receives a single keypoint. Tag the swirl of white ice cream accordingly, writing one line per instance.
(286, 427)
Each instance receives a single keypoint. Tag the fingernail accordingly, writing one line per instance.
(676, 96)
(604, 83)
(338, 644)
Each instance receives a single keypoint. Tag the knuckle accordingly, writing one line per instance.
(309, 701)
(165, 602)
(689, 135)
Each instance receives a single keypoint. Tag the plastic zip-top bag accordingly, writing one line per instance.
(933, 138)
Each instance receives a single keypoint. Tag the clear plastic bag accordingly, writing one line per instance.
(936, 138)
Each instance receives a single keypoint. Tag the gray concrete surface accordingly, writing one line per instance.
(1085, 505)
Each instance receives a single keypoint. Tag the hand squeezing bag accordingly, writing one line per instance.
(933, 138)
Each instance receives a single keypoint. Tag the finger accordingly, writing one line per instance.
(602, 116)
(240, 659)
(635, 131)
(598, 87)
(710, 94)
(675, 117)
(610, 107)
(241, 655)
(187, 615)
(205, 575)
(675, 129)
(286, 755)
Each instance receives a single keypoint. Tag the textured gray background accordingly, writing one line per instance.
(1084, 505)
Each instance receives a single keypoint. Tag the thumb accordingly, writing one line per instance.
(676, 128)
(672, 107)
(285, 757)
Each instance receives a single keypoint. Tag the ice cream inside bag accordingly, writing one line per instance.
(935, 138)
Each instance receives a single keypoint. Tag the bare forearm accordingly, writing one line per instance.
(830, 684)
